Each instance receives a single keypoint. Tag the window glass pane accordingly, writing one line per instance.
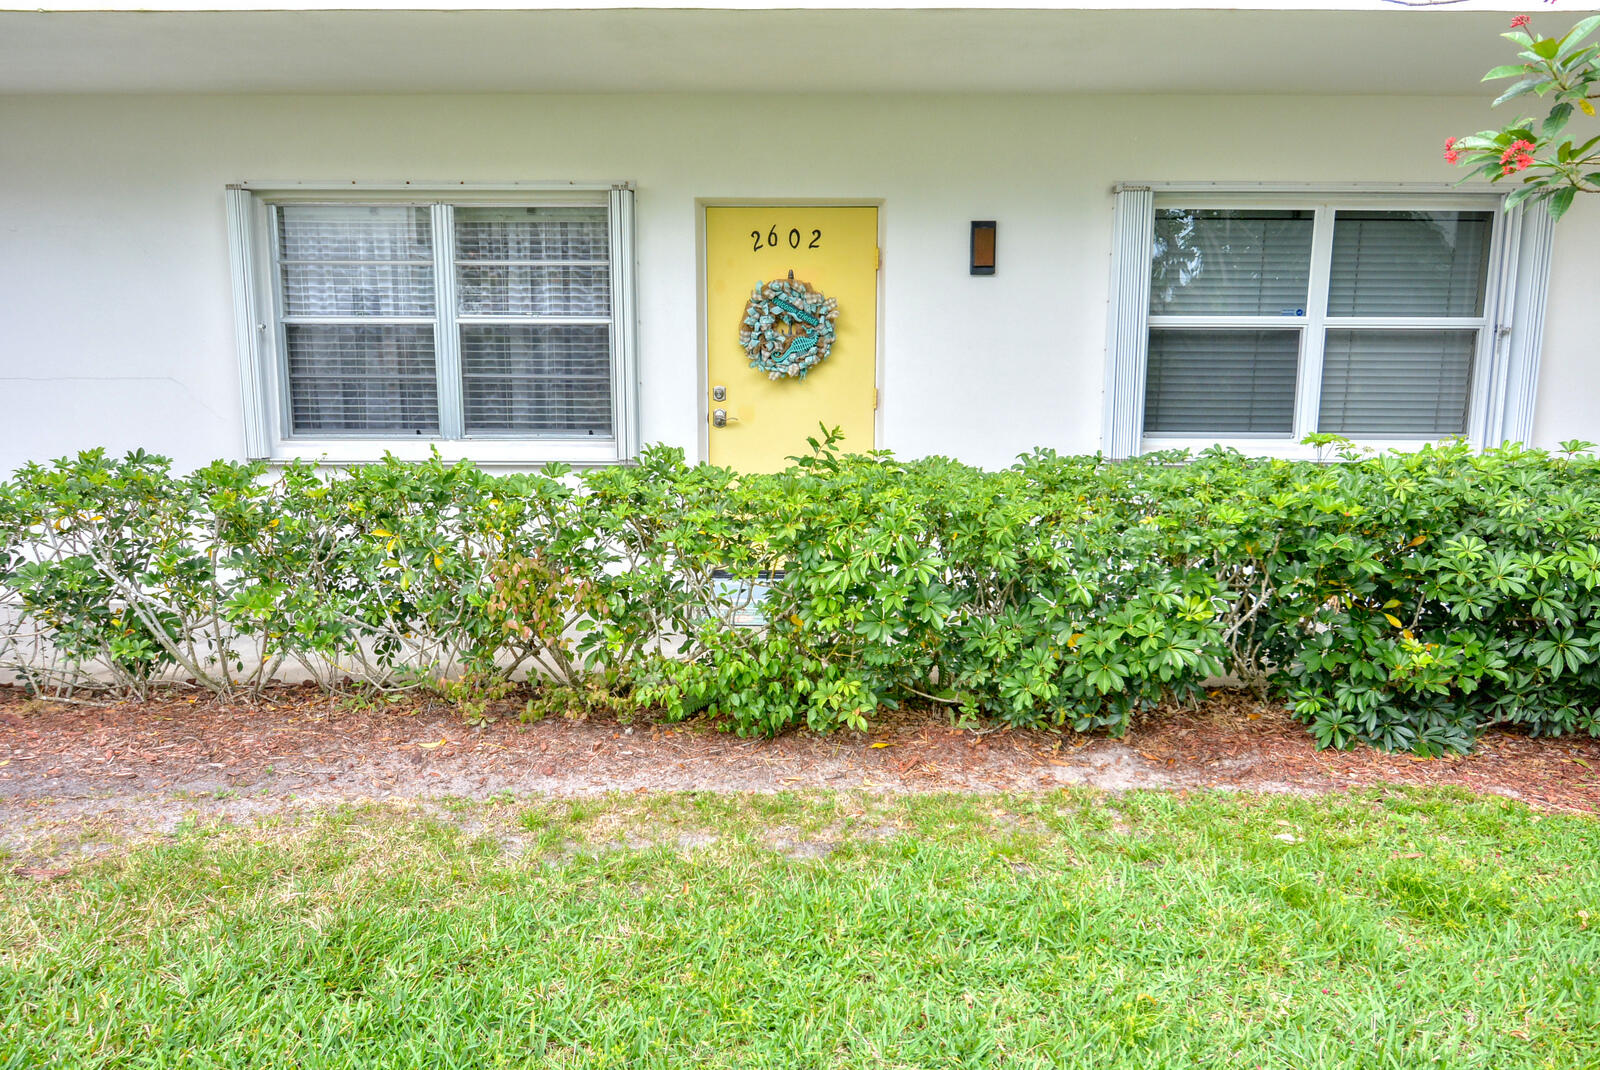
(354, 232)
(356, 260)
(1409, 263)
(533, 261)
(533, 234)
(537, 379)
(1230, 262)
(534, 290)
(1221, 382)
(1396, 382)
(377, 379)
(358, 290)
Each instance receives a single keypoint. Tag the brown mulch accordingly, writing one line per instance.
(298, 744)
(1263, 744)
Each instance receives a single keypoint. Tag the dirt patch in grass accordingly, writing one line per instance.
(96, 772)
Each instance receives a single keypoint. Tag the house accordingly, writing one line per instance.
(531, 232)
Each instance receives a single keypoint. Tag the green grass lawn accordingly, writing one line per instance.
(1387, 929)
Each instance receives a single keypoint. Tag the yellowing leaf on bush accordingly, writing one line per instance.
(1072, 641)
(1391, 603)
(1418, 541)
(1588, 109)
(1392, 619)
(382, 533)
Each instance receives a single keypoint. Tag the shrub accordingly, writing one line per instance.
(1403, 600)
(1434, 593)
(105, 559)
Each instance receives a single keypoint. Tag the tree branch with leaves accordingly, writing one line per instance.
(1551, 167)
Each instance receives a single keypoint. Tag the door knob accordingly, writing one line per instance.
(719, 418)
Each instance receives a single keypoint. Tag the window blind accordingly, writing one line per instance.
(1382, 382)
(1230, 262)
(1224, 382)
(339, 265)
(1409, 263)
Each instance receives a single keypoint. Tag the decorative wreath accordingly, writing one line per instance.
(788, 328)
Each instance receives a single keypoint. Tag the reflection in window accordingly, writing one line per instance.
(1215, 262)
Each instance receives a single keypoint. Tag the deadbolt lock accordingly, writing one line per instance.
(719, 393)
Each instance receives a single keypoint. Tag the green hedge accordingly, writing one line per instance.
(1404, 600)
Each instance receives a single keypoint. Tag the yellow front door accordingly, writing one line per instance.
(757, 422)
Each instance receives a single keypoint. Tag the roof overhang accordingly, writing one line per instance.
(1146, 46)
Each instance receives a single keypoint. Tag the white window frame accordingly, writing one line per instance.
(259, 323)
(1505, 361)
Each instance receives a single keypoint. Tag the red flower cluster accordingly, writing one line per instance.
(1517, 157)
(1451, 154)
(1519, 22)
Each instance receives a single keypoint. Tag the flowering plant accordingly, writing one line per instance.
(1553, 168)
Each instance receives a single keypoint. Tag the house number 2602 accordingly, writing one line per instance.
(772, 239)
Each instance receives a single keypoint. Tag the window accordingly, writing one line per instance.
(486, 325)
(1243, 343)
(1268, 318)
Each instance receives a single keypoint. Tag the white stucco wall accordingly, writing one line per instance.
(115, 304)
